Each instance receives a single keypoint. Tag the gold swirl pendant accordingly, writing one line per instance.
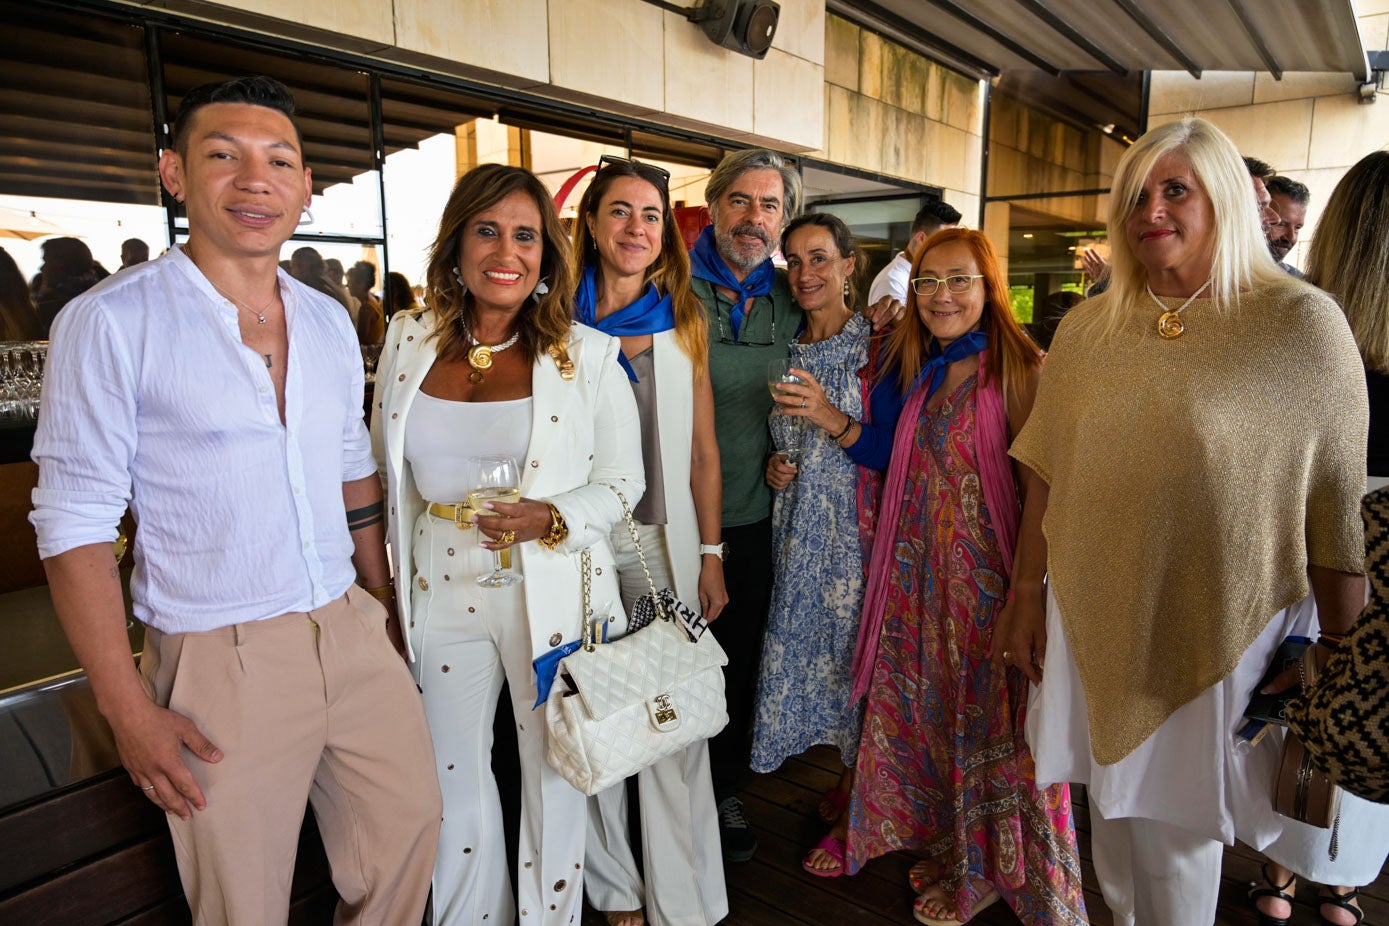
(480, 357)
(1170, 325)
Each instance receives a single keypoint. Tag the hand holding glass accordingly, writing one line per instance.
(790, 435)
(494, 479)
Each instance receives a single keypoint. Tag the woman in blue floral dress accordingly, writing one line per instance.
(819, 553)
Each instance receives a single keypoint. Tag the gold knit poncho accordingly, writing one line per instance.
(1192, 481)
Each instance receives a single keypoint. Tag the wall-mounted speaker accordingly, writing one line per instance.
(744, 26)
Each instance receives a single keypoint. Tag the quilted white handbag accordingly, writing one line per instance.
(616, 708)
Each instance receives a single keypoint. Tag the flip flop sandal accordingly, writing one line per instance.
(1277, 892)
(919, 877)
(1343, 901)
(987, 899)
(834, 848)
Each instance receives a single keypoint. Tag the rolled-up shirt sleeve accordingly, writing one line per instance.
(86, 438)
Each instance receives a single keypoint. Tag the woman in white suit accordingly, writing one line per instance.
(634, 276)
(495, 365)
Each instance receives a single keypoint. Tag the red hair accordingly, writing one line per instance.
(1012, 354)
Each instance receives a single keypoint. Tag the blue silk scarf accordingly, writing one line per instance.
(707, 264)
(650, 314)
(933, 373)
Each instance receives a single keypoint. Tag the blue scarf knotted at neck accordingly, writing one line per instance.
(933, 373)
(707, 264)
(650, 314)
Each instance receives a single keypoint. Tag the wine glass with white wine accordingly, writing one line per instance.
(494, 478)
(788, 432)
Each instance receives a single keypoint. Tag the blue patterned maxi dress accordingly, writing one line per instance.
(817, 592)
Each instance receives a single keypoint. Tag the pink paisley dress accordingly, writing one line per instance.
(942, 765)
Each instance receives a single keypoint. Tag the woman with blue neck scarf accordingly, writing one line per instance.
(942, 764)
(634, 285)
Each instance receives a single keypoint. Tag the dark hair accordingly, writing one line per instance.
(1259, 170)
(542, 323)
(18, 319)
(1287, 186)
(69, 256)
(670, 272)
(737, 163)
(843, 243)
(307, 266)
(934, 216)
(253, 91)
(399, 294)
(366, 270)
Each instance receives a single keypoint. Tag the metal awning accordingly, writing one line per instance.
(1067, 56)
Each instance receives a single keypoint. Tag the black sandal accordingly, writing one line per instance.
(1340, 900)
(1277, 892)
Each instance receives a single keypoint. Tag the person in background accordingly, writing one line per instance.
(133, 251)
(268, 677)
(336, 277)
(943, 766)
(1349, 258)
(399, 295)
(891, 282)
(496, 365)
(371, 320)
(634, 279)
(308, 267)
(1148, 450)
(817, 593)
(18, 319)
(68, 271)
(1289, 200)
(1048, 314)
(752, 194)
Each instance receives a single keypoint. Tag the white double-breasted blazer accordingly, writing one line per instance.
(585, 438)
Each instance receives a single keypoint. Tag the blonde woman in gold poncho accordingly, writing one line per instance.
(1195, 460)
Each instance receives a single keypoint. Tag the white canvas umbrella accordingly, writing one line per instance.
(15, 223)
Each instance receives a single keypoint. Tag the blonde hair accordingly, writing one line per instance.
(670, 272)
(540, 324)
(1012, 354)
(1349, 256)
(1240, 258)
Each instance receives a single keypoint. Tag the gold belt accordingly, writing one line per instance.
(462, 517)
(460, 514)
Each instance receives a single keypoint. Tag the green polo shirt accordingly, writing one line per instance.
(742, 401)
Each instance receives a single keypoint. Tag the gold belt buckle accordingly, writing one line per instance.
(460, 520)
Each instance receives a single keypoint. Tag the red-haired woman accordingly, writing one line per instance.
(942, 765)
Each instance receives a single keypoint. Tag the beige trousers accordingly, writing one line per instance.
(314, 707)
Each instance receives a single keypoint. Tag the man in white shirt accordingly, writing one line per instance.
(223, 401)
(892, 280)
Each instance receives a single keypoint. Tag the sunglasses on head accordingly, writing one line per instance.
(644, 170)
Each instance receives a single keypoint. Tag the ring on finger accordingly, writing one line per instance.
(507, 537)
(147, 788)
(802, 403)
(1007, 655)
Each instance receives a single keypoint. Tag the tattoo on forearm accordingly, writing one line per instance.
(366, 516)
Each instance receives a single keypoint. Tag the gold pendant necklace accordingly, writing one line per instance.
(1170, 324)
(480, 355)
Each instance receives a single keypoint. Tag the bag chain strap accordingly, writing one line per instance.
(636, 542)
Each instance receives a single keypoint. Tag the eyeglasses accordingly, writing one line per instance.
(959, 283)
(724, 337)
(643, 169)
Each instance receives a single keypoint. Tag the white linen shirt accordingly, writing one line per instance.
(892, 280)
(151, 398)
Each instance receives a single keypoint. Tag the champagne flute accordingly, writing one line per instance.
(495, 478)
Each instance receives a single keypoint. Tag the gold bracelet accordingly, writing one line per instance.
(557, 532)
(381, 592)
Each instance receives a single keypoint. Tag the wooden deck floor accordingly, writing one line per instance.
(771, 890)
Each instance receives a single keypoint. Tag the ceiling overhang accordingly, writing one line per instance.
(1070, 57)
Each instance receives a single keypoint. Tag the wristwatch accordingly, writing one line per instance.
(714, 549)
